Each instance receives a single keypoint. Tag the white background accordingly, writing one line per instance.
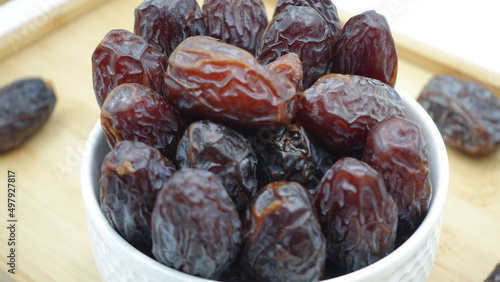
(469, 30)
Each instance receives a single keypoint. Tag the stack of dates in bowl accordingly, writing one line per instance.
(234, 148)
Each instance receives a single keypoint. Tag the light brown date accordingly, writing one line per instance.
(210, 79)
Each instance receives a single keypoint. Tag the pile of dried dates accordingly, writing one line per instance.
(256, 150)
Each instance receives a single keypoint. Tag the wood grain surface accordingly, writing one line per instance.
(52, 242)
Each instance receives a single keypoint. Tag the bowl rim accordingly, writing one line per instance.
(89, 167)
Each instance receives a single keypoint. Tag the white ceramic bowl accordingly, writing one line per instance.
(412, 261)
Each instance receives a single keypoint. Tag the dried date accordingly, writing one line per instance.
(341, 109)
(292, 155)
(396, 148)
(325, 8)
(25, 106)
(290, 66)
(303, 31)
(124, 57)
(135, 112)
(365, 46)
(165, 24)
(283, 238)
(466, 113)
(132, 174)
(358, 216)
(195, 225)
(210, 79)
(237, 22)
(223, 151)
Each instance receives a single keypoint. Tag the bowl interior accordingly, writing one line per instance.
(97, 147)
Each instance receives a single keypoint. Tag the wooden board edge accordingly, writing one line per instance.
(40, 22)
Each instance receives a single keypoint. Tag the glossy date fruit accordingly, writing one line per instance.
(365, 46)
(132, 174)
(358, 216)
(165, 24)
(290, 66)
(292, 155)
(221, 150)
(325, 8)
(238, 22)
(209, 79)
(195, 225)
(283, 239)
(25, 106)
(303, 31)
(341, 109)
(466, 113)
(124, 57)
(396, 148)
(135, 112)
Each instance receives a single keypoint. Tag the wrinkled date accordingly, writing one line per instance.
(396, 148)
(291, 155)
(303, 31)
(221, 150)
(237, 22)
(290, 66)
(132, 174)
(358, 217)
(124, 57)
(465, 112)
(210, 79)
(196, 227)
(365, 47)
(283, 239)
(25, 106)
(325, 8)
(341, 109)
(135, 112)
(164, 24)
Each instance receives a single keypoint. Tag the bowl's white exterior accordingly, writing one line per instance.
(412, 261)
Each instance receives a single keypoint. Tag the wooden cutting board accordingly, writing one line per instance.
(52, 236)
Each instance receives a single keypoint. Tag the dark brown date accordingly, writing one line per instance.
(238, 22)
(283, 239)
(291, 155)
(341, 109)
(221, 150)
(494, 275)
(325, 8)
(290, 66)
(135, 112)
(196, 227)
(358, 216)
(396, 148)
(210, 79)
(303, 31)
(165, 24)
(466, 113)
(365, 46)
(124, 57)
(25, 106)
(132, 174)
